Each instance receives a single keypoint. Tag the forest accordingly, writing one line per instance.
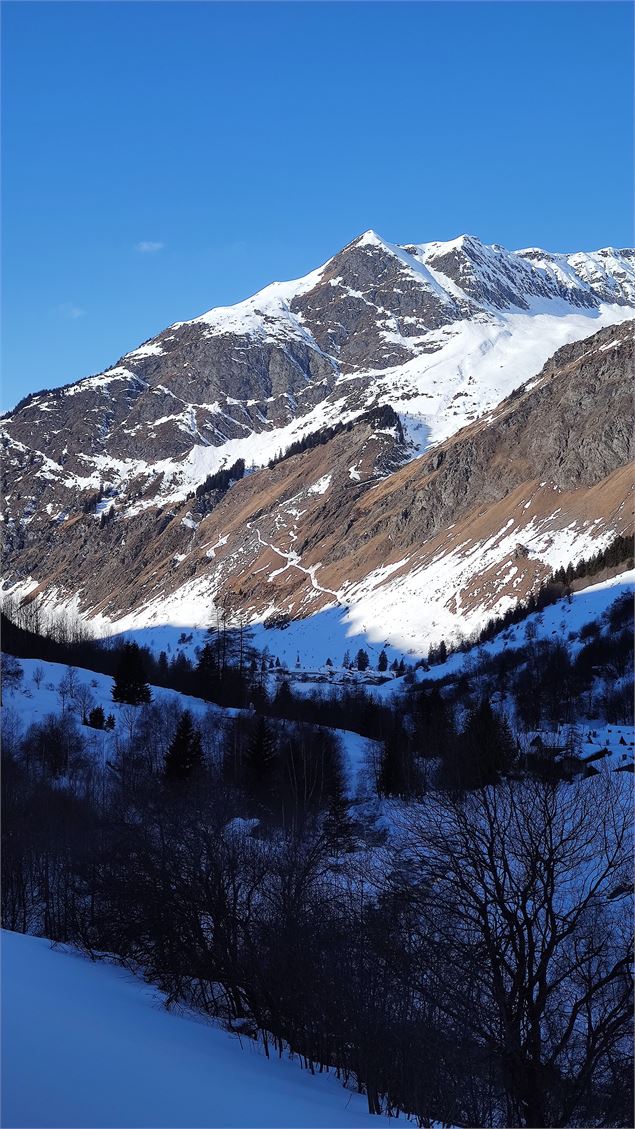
(453, 940)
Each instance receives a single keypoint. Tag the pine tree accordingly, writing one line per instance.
(362, 659)
(97, 718)
(207, 670)
(488, 746)
(283, 699)
(130, 684)
(382, 663)
(396, 770)
(163, 668)
(260, 759)
(338, 826)
(185, 755)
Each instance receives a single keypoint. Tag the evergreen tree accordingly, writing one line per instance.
(433, 721)
(396, 770)
(260, 759)
(185, 754)
(488, 746)
(361, 659)
(382, 663)
(207, 671)
(283, 699)
(130, 683)
(338, 826)
(163, 668)
(97, 718)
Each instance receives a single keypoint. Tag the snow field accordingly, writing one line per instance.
(88, 1046)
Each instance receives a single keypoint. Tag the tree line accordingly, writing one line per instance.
(555, 588)
(383, 416)
(463, 958)
(472, 968)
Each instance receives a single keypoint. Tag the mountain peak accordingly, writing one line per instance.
(369, 236)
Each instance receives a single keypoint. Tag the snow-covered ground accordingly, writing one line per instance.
(88, 1045)
(562, 620)
(26, 703)
(456, 375)
(29, 702)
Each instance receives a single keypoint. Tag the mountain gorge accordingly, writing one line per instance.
(461, 421)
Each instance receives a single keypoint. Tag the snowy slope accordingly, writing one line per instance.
(27, 703)
(87, 1045)
(562, 620)
(498, 316)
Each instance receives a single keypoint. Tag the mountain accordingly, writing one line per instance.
(460, 420)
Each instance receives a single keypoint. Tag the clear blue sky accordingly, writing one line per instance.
(242, 143)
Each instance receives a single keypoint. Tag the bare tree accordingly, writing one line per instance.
(84, 698)
(524, 892)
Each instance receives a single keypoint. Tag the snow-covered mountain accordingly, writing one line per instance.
(440, 333)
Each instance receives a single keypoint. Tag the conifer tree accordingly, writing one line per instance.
(97, 718)
(185, 754)
(382, 663)
(338, 826)
(260, 759)
(130, 683)
(488, 746)
(396, 770)
(283, 699)
(163, 667)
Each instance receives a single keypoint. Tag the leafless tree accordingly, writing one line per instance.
(524, 889)
(83, 696)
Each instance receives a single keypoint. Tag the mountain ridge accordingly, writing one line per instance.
(378, 326)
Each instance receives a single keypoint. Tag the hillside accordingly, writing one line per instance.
(171, 1070)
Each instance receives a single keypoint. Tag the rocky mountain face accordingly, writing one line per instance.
(479, 408)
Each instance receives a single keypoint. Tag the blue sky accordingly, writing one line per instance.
(163, 158)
